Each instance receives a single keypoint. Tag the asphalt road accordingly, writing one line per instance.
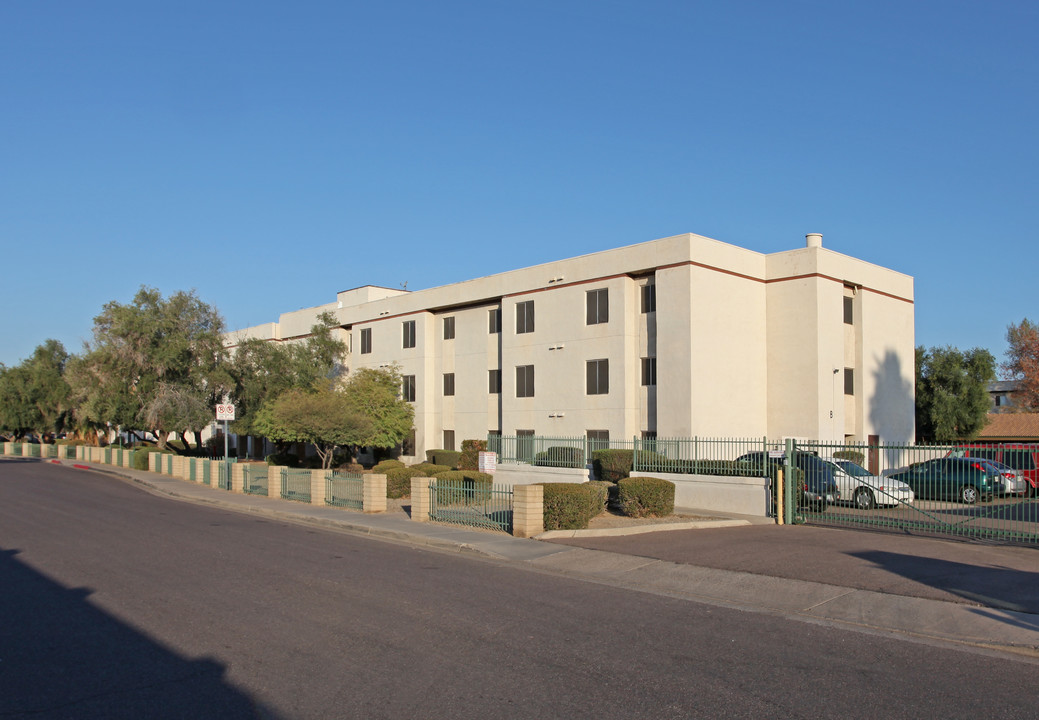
(117, 603)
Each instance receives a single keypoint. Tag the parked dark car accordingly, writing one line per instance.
(952, 478)
(818, 485)
(1023, 458)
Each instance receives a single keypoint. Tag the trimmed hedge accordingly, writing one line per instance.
(464, 484)
(470, 458)
(384, 465)
(612, 465)
(398, 481)
(570, 506)
(141, 454)
(429, 468)
(444, 457)
(608, 490)
(854, 455)
(561, 456)
(646, 496)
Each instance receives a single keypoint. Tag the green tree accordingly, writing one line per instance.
(263, 370)
(152, 365)
(375, 394)
(1022, 364)
(951, 392)
(34, 396)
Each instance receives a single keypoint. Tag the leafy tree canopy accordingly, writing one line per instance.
(1022, 364)
(951, 392)
(34, 396)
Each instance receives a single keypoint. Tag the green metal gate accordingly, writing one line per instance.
(295, 484)
(255, 479)
(471, 503)
(344, 489)
(934, 490)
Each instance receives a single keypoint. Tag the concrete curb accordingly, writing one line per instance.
(640, 529)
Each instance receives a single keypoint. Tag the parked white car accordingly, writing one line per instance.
(865, 490)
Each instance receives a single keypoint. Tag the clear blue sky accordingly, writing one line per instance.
(271, 154)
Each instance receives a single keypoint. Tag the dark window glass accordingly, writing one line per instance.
(649, 298)
(525, 381)
(449, 329)
(409, 333)
(449, 439)
(849, 311)
(849, 381)
(494, 321)
(449, 386)
(597, 306)
(408, 388)
(598, 376)
(407, 447)
(649, 371)
(366, 340)
(525, 317)
(494, 381)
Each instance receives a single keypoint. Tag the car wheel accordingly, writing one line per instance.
(864, 499)
(969, 494)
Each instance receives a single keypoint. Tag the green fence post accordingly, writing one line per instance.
(788, 483)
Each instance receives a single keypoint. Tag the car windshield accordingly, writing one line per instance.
(853, 468)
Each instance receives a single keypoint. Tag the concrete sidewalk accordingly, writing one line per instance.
(980, 595)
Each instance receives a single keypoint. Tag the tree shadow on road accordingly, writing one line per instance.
(61, 656)
(999, 588)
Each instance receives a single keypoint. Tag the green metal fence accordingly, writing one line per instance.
(471, 504)
(344, 489)
(223, 479)
(207, 473)
(935, 490)
(255, 479)
(295, 484)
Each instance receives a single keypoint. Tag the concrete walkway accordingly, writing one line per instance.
(984, 596)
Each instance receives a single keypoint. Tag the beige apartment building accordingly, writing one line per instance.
(680, 337)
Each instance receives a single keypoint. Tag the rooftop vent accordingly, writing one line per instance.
(814, 240)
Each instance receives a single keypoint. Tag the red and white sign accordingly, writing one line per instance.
(225, 412)
(488, 462)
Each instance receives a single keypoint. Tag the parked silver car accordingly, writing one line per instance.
(1011, 481)
(866, 490)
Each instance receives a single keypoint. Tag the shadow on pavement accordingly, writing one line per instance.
(60, 656)
(1001, 588)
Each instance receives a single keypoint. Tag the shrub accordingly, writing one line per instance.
(283, 460)
(385, 465)
(607, 490)
(430, 469)
(570, 506)
(141, 454)
(398, 481)
(646, 496)
(854, 455)
(463, 485)
(612, 465)
(470, 458)
(444, 457)
(561, 456)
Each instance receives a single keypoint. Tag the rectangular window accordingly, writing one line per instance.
(849, 311)
(409, 333)
(408, 388)
(449, 386)
(494, 381)
(525, 317)
(449, 328)
(597, 306)
(649, 371)
(849, 381)
(649, 440)
(494, 441)
(407, 447)
(449, 439)
(525, 381)
(494, 321)
(649, 298)
(598, 375)
(366, 341)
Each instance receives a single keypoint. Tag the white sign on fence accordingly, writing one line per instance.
(488, 462)
(225, 412)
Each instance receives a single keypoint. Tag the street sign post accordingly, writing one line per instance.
(225, 412)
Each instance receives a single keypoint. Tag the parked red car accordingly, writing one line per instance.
(1023, 458)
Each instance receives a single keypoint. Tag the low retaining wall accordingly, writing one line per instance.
(522, 474)
(719, 493)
